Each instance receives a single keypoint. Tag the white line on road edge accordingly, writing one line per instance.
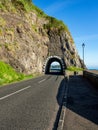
(14, 93)
(64, 108)
(41, 81)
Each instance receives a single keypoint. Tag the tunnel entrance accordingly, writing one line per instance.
(54, 65)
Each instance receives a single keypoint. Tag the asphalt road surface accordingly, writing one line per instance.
(82, 105)
(32, 104)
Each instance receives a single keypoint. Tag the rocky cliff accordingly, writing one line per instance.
(28, 37)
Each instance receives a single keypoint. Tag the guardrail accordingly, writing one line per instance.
(91, 76)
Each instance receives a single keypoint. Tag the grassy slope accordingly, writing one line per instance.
(73, 68)
(8, 74)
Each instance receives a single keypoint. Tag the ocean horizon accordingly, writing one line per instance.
(92, 68)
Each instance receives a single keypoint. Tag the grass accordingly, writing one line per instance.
(59, 25)
(2, 22)
(1, 31)
(6, 5)
(54, 23)
(9, 75)
(20, 5)
(27, 6)
(73, 68)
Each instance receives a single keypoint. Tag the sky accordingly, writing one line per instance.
(81, 17)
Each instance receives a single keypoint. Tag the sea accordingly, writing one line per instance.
(92, 68)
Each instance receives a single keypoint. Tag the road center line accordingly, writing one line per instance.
(41, 81)
(14, 93)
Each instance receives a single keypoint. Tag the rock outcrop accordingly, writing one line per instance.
(28, 37)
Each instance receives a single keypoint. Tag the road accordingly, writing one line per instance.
(82, 105)
(32, 104)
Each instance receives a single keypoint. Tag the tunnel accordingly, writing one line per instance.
(51, 63)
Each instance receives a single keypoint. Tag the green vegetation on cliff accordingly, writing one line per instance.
(8, 74)
(54, 23)
(59, 25)
(73, 68)
(20, 6)
(26, 6)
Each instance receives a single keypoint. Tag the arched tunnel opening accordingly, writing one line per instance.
(54, 66)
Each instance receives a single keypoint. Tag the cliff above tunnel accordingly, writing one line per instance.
(28, 37)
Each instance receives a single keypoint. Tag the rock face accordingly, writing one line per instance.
(26, 40)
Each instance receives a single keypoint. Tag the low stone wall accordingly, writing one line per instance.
(92, 77)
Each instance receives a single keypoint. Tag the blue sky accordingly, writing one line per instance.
(81, 17)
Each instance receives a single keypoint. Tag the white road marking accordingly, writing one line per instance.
(14, 93)
(41, 81)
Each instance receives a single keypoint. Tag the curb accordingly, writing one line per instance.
(64, 106)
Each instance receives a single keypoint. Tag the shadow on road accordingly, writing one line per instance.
(59, 100)
(82, 99)
(82, 102)
(55, 73)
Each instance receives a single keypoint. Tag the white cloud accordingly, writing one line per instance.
(57, 6)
